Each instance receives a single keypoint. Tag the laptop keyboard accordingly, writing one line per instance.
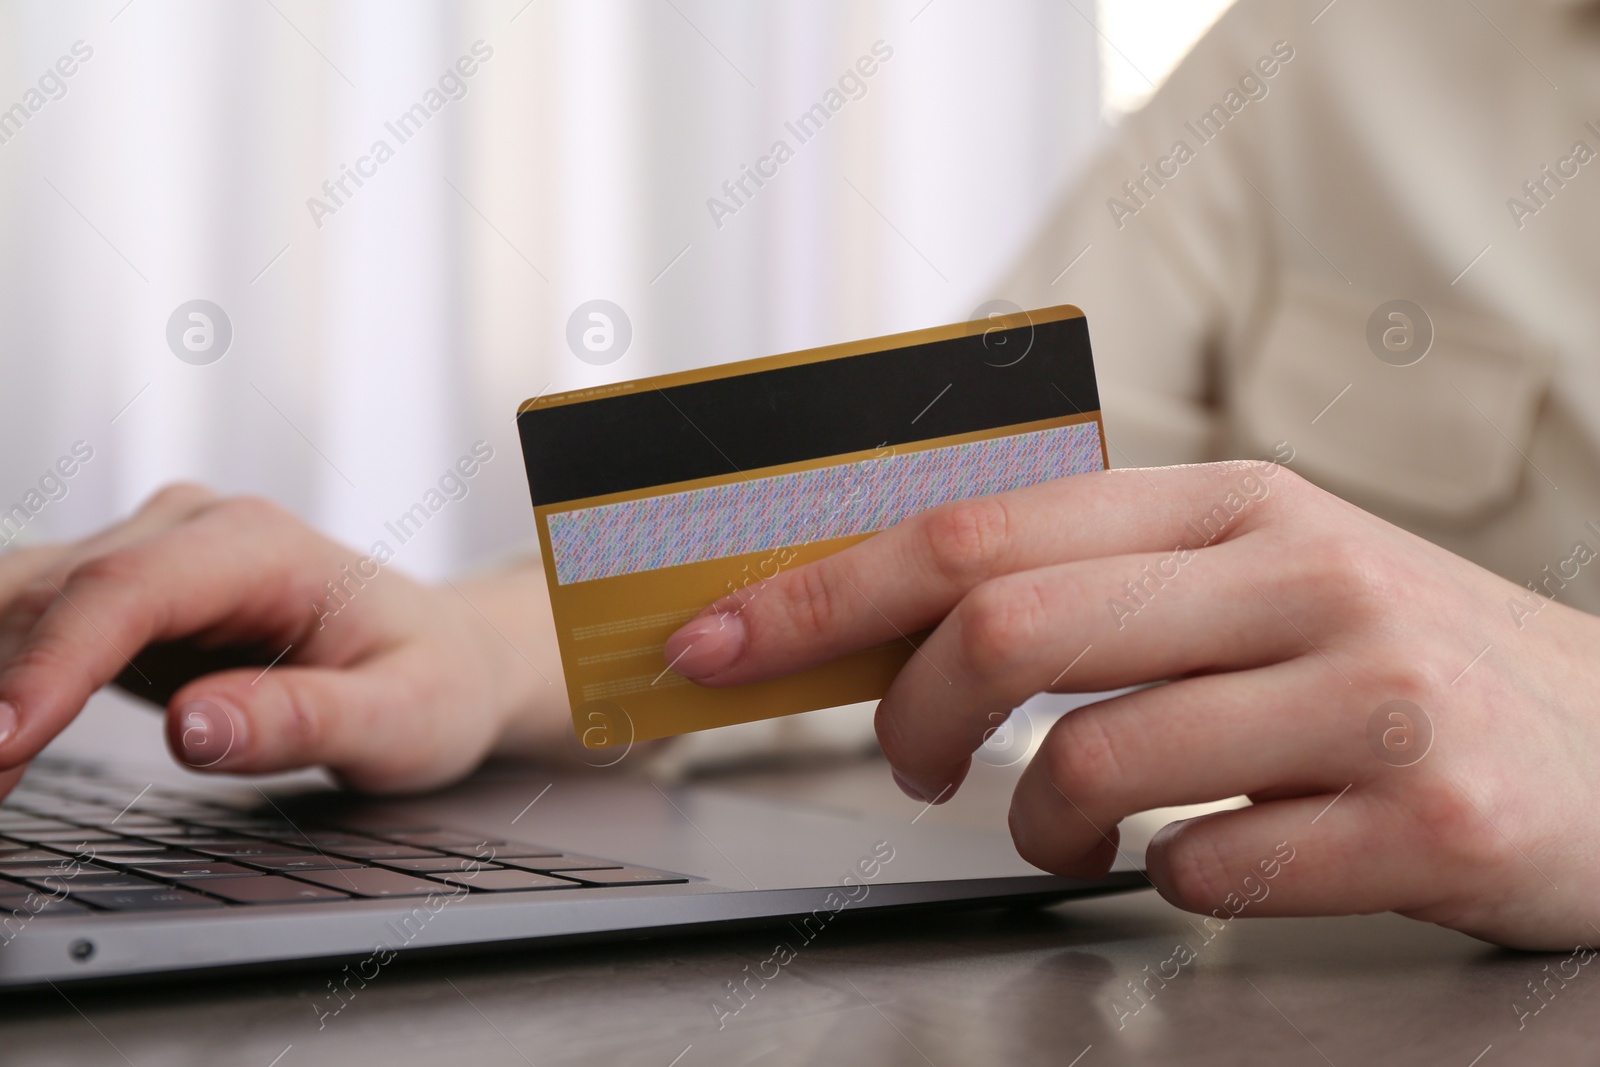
(73, 840)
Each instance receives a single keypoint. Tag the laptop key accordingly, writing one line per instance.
(176, 843)
(179, 872)
(333, 838)
(442, 839)
(250, 826)
(507, 850)
(505, 881)
(384, 852)
(371, 883)
(70, 854)
(192, 832)
(305, 862)
(129, 823)
(69, 837)
(247, 849)
(60, 883)
(145, 859)
(448, 864)
(625, 876)
(63, 868)
(124, 848)
(162, 899)
(547, 864)
(30, 858)
(267, 889)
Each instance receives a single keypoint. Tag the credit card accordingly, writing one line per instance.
(655, 497)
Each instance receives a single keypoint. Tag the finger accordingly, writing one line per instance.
(371, 725)
(236, 572)
(19, 570)
(905, 579)
(1194, 741)
(1313, 855)
(1051, 629)
(167, 508)
(25, 571)
(20, 566)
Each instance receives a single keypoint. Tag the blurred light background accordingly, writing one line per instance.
(374, 345)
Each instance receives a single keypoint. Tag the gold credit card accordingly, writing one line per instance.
(656, 497)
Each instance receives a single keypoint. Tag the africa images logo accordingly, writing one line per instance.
(199, 332)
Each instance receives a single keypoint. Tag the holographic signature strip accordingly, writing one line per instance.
(812, 505)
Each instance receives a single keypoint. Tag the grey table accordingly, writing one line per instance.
(985, 987)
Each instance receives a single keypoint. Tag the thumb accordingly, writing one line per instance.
(370, 725)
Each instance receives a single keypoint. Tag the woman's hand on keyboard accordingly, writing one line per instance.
(274, 648)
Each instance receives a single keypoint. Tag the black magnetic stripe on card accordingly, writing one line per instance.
(636, 440)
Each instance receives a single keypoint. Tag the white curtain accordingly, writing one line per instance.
(374, 343)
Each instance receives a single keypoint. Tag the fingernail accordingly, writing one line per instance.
(706, 646)
(914, 792)
(208, 733)
(8, 720)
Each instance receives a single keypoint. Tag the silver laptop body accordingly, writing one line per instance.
(637, 860)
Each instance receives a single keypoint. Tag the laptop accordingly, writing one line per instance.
(106, 875)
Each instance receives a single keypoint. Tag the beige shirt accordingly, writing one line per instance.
(1293, 178)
